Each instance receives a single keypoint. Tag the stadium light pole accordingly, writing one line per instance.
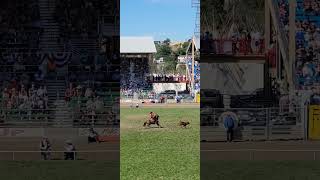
(292, 44)
(192, 68)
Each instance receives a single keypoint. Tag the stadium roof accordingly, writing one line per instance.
(137, 45)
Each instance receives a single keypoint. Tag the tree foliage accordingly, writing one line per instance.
(169, 56)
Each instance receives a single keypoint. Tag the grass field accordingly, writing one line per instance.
(160, 153)
(58, 170)
(260, 170)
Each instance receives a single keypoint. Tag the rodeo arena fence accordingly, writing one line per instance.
(59, 155)
(67, 117)
(256, 123)
(149, 96)
(260, 154)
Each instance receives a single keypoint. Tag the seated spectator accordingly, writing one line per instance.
(88, 93)
(93, 136)
(99, 105)
(70, 151)
(70, 92)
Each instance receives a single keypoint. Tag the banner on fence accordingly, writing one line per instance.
(314, 122)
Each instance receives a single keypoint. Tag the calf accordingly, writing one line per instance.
(183, 123)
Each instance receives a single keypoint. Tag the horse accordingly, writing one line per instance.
(154, 119)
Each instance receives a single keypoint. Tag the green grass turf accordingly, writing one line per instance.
(260, 170)
(58, 170)
(167, 153)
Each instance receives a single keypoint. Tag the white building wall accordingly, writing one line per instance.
(160, 87)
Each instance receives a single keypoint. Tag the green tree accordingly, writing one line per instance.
(163, 49)
(170, 64)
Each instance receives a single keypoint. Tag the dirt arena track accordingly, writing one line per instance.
(104, 151)
(266, 150)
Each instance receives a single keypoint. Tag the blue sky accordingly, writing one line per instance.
(160, 19)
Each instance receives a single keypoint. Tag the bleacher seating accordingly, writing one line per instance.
(29, 55)
(133, 75)
(307, 43)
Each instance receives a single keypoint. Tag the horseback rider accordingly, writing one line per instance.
(154, 119)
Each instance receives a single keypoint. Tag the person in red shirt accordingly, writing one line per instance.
(70, 92)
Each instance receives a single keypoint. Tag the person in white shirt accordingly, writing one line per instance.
(98, 103)
(90, 104)
(45, 148)
(88, 93)
(40, 92)
(70, 151)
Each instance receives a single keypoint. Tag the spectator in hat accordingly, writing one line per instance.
(70, 151)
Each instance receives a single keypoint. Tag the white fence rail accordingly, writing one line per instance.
(260, 154)
(59, 155)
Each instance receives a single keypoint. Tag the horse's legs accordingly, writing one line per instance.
(158, 124)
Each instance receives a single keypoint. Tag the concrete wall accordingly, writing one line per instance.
(232, 78)
(160, 87)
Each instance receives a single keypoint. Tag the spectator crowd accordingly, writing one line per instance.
(167, 78)
(241, 43)
(21, 99)
(134, 74)
(88, 105)
(307, 44)
(18, 22)
(80, 17)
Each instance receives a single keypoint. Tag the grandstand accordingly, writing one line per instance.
(137, 81)
(193, 65)
(59, 63)
(136, 55)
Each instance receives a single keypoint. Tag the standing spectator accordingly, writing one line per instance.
(45, 148)
(229, 125)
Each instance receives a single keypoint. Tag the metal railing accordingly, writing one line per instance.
(227, 47)
(251, 154)
(256, 123)
(56, 116)
(76, 154)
